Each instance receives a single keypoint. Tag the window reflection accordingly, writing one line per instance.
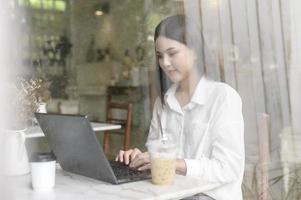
(84, 47)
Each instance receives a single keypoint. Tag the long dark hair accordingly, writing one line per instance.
(189, 34)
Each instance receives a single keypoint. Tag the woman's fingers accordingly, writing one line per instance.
(126, 156)
(123, 156)
(140, 159)
(145, 167)
(134, 154)
(119, 156)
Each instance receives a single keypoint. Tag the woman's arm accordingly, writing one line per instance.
(181, 167)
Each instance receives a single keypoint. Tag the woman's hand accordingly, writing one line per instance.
(141, 161)
(127, 156)
(134, 158)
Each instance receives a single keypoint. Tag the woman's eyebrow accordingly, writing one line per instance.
(169, 49)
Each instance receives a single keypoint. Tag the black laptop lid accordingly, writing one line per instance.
(75, 145)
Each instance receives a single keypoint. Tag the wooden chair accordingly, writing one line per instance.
(125, 120)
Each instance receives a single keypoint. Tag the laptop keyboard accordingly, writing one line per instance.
(123, 171)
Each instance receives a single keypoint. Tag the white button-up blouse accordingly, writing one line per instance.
(210, 134)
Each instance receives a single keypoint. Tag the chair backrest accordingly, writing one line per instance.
(119, 112)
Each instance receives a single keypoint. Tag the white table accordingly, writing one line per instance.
(36, 131)
(76, 187)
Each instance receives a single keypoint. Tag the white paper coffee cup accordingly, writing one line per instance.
(42, 171)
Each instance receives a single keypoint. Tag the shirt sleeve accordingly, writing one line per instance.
(226, 163)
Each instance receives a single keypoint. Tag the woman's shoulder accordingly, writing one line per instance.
(158, 102)
(158, 106)
(225, 91)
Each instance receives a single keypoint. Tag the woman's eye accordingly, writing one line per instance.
(159, 56)
(172, 53)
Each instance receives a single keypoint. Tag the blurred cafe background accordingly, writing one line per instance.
(77, 56)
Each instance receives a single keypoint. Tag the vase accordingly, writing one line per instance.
(14, 153)
(42, 108)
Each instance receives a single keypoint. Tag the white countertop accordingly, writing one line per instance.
(76, 187)
(36, 131)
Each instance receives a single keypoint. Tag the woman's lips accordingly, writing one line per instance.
(172, 71)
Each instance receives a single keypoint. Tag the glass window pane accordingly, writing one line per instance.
(35, 4)
(22, 2)
(84, 54)
(60, 5)
(48, 4)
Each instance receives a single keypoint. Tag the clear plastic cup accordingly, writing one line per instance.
(163, 161)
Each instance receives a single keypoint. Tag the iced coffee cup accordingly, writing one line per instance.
(163, 162)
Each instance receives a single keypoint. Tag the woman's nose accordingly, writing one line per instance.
(166, 62)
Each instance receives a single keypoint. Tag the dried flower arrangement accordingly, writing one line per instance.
(25, 97)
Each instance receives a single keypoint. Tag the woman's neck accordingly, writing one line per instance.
(186, 88)
(188, 85)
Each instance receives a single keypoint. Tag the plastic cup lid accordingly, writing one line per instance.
(160, 144)
(42, 157)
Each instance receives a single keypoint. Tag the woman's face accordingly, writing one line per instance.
(175, 58)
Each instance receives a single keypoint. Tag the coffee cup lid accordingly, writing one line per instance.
(160, 144)
(42, 157)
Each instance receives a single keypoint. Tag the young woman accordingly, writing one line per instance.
(204, 115)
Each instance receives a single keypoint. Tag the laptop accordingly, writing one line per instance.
(77, 149)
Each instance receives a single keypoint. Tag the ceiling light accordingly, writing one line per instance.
(98, 13)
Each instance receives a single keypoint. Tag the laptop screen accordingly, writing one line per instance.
(75, 145)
